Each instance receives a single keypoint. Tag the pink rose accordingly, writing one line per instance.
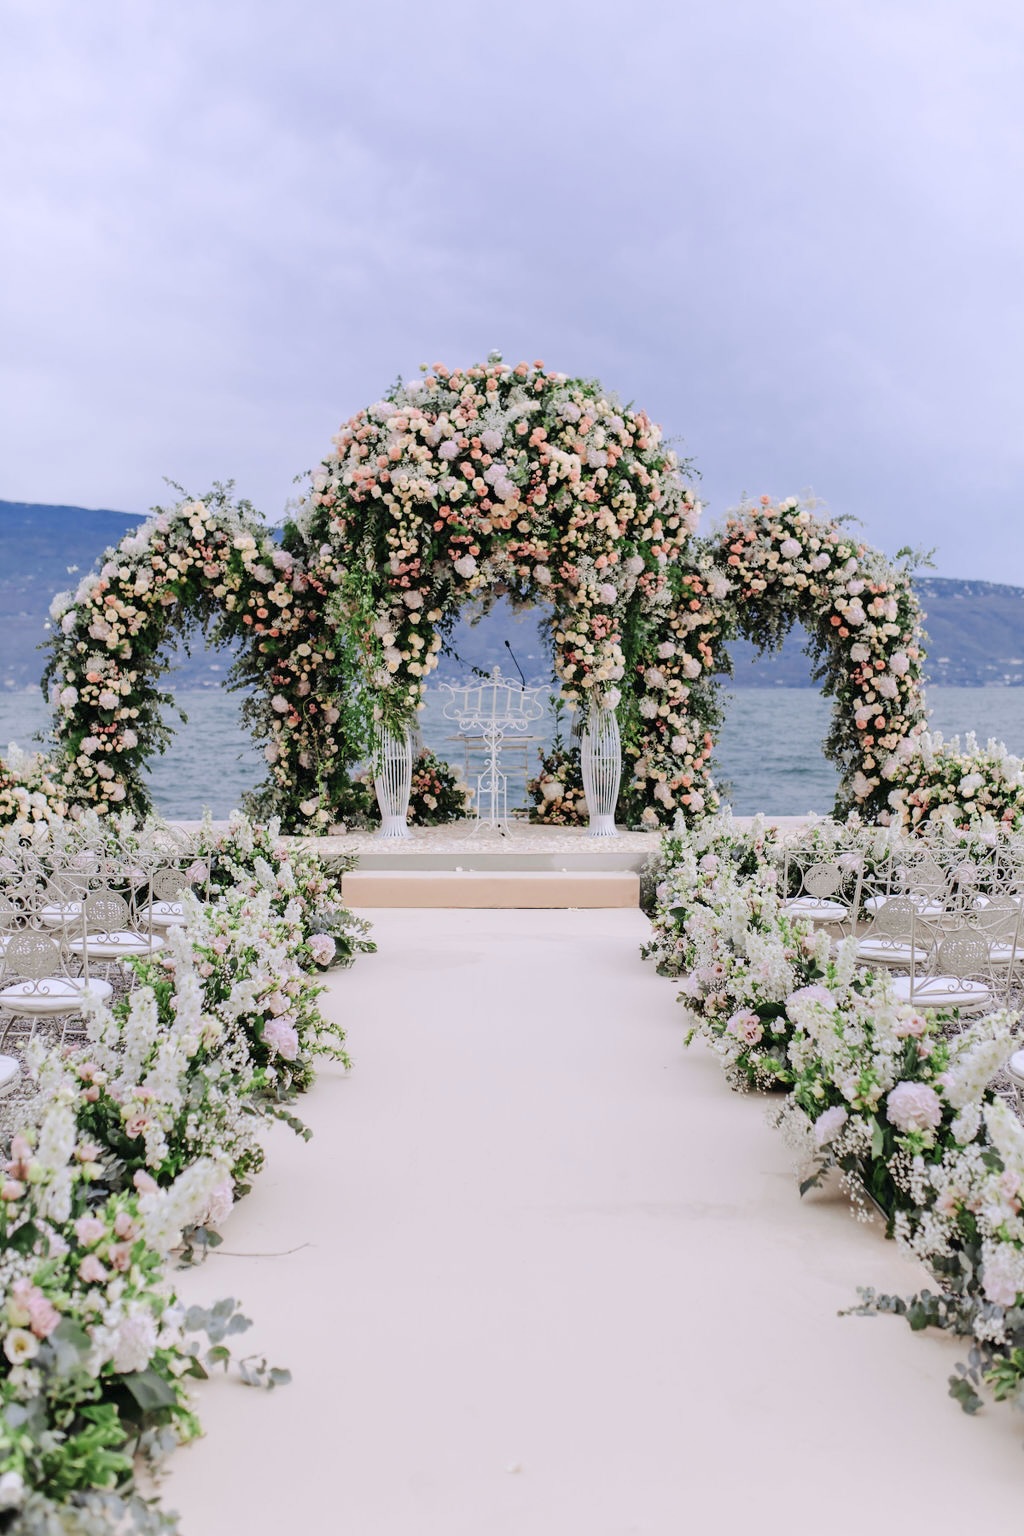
(43, 1316)
(746, 1026)
(91, 1270)
(121, 1257)
(322, 947)
(89, 1230)
(909, 1022)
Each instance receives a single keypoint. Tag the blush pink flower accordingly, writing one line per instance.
(913, 1107)
(282, 1038)
(89, 1230)
(322, 947)
(746, 1026)
(43, 1316)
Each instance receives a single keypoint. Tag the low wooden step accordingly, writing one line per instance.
(490, 888)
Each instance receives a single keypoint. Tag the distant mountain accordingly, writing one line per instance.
(975, 639)
(975, 628)
(45, 550)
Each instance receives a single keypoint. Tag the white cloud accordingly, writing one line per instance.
(792, 231)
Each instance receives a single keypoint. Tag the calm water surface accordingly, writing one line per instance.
(769, 751)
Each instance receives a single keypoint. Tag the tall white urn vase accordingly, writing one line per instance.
(601, 762)
(392, 780)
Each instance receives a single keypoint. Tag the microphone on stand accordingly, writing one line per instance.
(515, 663)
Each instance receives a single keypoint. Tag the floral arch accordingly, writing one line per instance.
(463, 486)
(786, 565)
(203, 562)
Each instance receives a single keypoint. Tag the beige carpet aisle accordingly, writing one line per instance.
(552, 1279)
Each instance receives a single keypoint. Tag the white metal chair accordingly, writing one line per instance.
(36, 982)
(823, 891)
(108, 934)
(896, 937)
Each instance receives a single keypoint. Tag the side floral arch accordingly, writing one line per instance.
(203, 562)
(784, 565)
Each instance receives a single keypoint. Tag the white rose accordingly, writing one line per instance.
(12, 1490)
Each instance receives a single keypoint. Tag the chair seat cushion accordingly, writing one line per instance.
(163, 914)
(1015, 1066)
(942, 992)
(890, 954)
(55, 916)
(925, 909)
(116, 946)
(10, 1072)
(816, 909)
(54, 994)
(1006, 954)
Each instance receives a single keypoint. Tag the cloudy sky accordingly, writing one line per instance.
(793, 230)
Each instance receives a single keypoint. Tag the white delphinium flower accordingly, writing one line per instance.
(166, 1213)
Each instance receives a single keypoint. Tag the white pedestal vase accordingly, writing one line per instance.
(601, 762)
(392, 781)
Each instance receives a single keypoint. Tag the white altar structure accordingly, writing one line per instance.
(493, 707)
(496, 711)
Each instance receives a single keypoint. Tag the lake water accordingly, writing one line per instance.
(769, 750)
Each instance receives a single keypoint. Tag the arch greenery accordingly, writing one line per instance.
(460, 487)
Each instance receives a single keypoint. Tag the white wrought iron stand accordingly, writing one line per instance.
(495, 707)
(601, 765)
(392, 781)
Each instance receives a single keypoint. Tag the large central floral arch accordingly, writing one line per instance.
(519, 482)
(458, 488)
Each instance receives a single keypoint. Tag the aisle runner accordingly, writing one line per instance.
(541, 1274)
